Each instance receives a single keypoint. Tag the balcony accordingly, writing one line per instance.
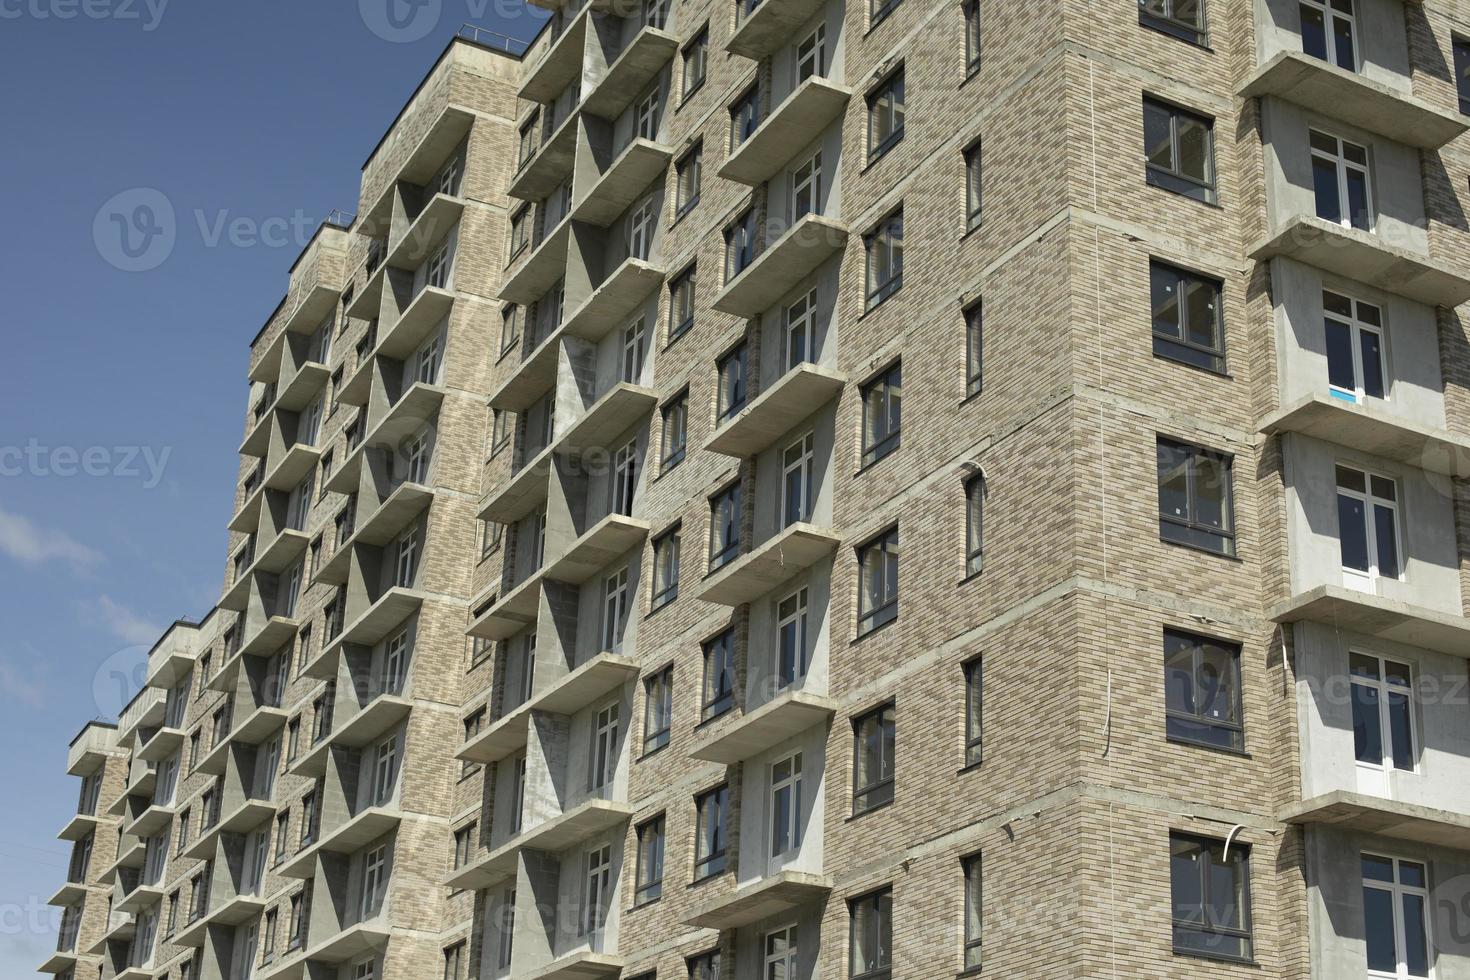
(600, 546)
(560, 66)
(154, 818)
(598, 677)
(70, 893)
(806, 112)
(1386, 619)
(172, 657)
(522, 493)
(381, 528)
(504, 737)
(283, 551)
(551, 164)
(141, 783)
(782, 266)
(131, 853)
(377, 621)
(1375, 431)
(257, 726)
(533, 377)
(349, 944)
(634, 69)
(164, 742)
(372, 722)
(90, 749)
(368, 303)
(613, 303)
(80, 826)
(511, 613)
(794, 396)
(60, 961)
(610, 416)
(1364, 257)
(770, 26)
(411, 412)
(449, 127)
(783, 717)
(248, 815)
(770, 565)
(428, 228)
(145, 710)
(1354, 99)
(358, 386)
(304, 386)
(581, 965)
(639, 164)
(541, 270)
(426, 311)
(588, 819)
(780, 893)
(140, 898)
(349, 838)
(1383, 818)
(258, 437)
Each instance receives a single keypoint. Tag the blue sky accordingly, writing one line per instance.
(122, 393)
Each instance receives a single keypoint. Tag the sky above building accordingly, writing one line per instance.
(161, 166)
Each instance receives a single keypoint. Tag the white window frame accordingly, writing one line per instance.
(395, 663)
(1398, 891)
(406, 558)
(614, 610)
(518, 794)
(374, 878)
(1383, 687)
(603, 761)
(806, 180)
(428, 359)
(1352, 577)
(810, 57)
(641, 223)
(1356, 327)
(792, 614)
(798, 460)
(1330, 16)
(782, 965)
(598, 890)
(1341, 164)
(790, 785)
(436, 270)
(645, 115)
(635, 349)
(385, 769)
(801, 324)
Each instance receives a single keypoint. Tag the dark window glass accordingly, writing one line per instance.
(1180, 148)
(1202, 690)
(1184, 19)
(1211, 897)
(1196, 502)
(882, 414)
(1187, 320)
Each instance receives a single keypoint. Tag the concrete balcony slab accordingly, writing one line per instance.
(794, 396)
(622, 407)
(793, 124)
(165, 742)
(551, 164)
(541, 269)
(367, 304)
(631, 72)
(502, 738)
(358, 387)
(770, 26)
(69, 893)
(599, 547)
(511, 613)
(59, 962)
(560, 66)
(419, 319)
(782, 266)
(770, 565)
(583, 821)
(592, 681)
(428, 228)
(305, 385)
(522, 493)
(247, 518)
(80, 826)
(381, 528)
(1372, 615)
(581, 965)
(774, 895)
(1365, 257)
(350, 943)
(533, 377)
(247, 816)
(783, 717)
(258, 437)
(380, 716)
(626, 180)
(150, 821)
(279, 554)
(1383, 818)
(140, 898)
(376, 622)
(1372, 430)
(1354, 99)
(350, 837)
(613, 303)
(319, 302)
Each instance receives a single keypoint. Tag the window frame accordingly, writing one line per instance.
(697, 45)
(726, 509)
(1371, 501)
(685, 284)
(1226, 535)
(1330, 16)
(888, 380)
(1205, 926)
(882, 247)
(970, 9)
(1357, 326)
(875, 728)
(973, 671)
(721, 645)
(886, 612)
(1178, 349)
(674, 420)
(1343, 166)
(974, 185)
(1399, 891)
(1176, 28)
(714, 834)
(648, 878)
(976, 492)
(1384, 687)
(889, 95)
(666, 568)
(1178, 722)
(879, 905)
(1460, 50)
(1172, 178)
(973, 931)
(688, 180)
(658, 710)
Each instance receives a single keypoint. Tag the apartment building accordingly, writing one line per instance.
(601, 603)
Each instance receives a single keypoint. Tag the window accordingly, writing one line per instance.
(599, 889)
(806, 188)
(696, 62)
(454, 962)
(780, 954)
(406, 561)
(385, 770)
(500, 431)
(473, 723)
(974, 525)
(428, 359)
(183, 838)
(724, 527)
(688, 173)
(870, 947)
(298, 920)
(739, 245)
(711, 810)
(666, 568)
(971, 9)
(658, 709)
(1395, 921)
(1211, 897)
(705, 966)
(883, 247)
(1196, 502)
(507, 928)
(283, 820)
(1184, 19)
(374, 880)
(719, 676)
(293, 738)
(732, 382)
(614, 610)
(1329, 33)
(308, 818)
(797, 480)
(510, 327)
(675, 431)
(885, 115)
(745, 116)
(1383, 713)
(1354, 348)
(1187, 321)
(1180, 147)
(874, 740)
(811, 55)
(650, 874)
(635, 346)
(882, 414)
(974, 892)
(791, 640)
(800, 334)
(786, 805)
(518, 799)
(974, 712)
(681, 303)
(269, 941)
(490, 534)
(1202, 691)
(1462, 73)
(436, 270)
(624, 480)
(605, 746)
(640, 229)
(528, 143)
(464, 845)
(973, 187)
(1341, 182)
(878, 582)
(1367, 526)
(655, 13)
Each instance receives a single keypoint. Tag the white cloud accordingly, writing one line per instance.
(122, 622)
(22, 686)
(30, 544)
